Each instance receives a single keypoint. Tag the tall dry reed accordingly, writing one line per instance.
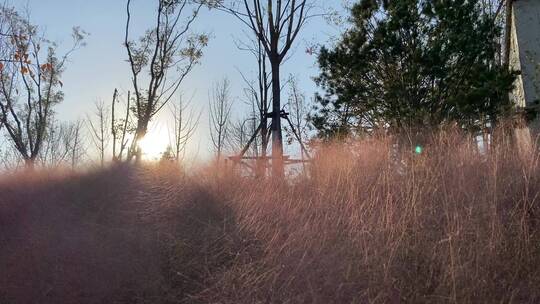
(369, 222)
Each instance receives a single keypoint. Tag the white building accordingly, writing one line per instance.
(524, 56)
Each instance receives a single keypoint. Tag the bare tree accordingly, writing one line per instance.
(10, 158)
(99, 130)
(164, 55)
(114, 129)
(63, 144)
(220, 110)
(257, 94)
(120, 127)
(298, 113)
(240, 131)
(276, 24)
(185, 122)
(54, 152)
(76, 143)
(30, 84)
(254, 121)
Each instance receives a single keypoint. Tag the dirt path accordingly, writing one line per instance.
(79, 240)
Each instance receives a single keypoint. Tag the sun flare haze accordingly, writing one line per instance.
(154, 144)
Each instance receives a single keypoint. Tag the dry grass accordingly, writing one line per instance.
(366, 225)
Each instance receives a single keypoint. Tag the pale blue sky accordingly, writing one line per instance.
(100, 67)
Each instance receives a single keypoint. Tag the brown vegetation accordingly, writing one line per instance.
(366, 225)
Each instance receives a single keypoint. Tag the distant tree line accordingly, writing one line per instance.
(399, 65)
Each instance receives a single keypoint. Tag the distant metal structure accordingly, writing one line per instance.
(260, 164)
(523, 54)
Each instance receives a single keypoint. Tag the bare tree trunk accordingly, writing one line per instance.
(258, 97)
(220, 109)
(185, 124)
(297, 118)
(140, 134)
(113, 125)
(76, 145)
(277, 138)
(99, 133)
(124, 130)
(30, 164)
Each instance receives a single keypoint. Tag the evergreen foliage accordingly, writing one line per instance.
(413, 63)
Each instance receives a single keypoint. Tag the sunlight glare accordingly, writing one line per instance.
(153, 145)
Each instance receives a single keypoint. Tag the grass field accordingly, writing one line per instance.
(365, 224)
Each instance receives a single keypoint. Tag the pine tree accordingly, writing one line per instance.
(412, 63)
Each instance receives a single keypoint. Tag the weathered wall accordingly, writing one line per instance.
(525, 51)
(525, 57)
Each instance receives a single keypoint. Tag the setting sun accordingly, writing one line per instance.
(153, 145)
